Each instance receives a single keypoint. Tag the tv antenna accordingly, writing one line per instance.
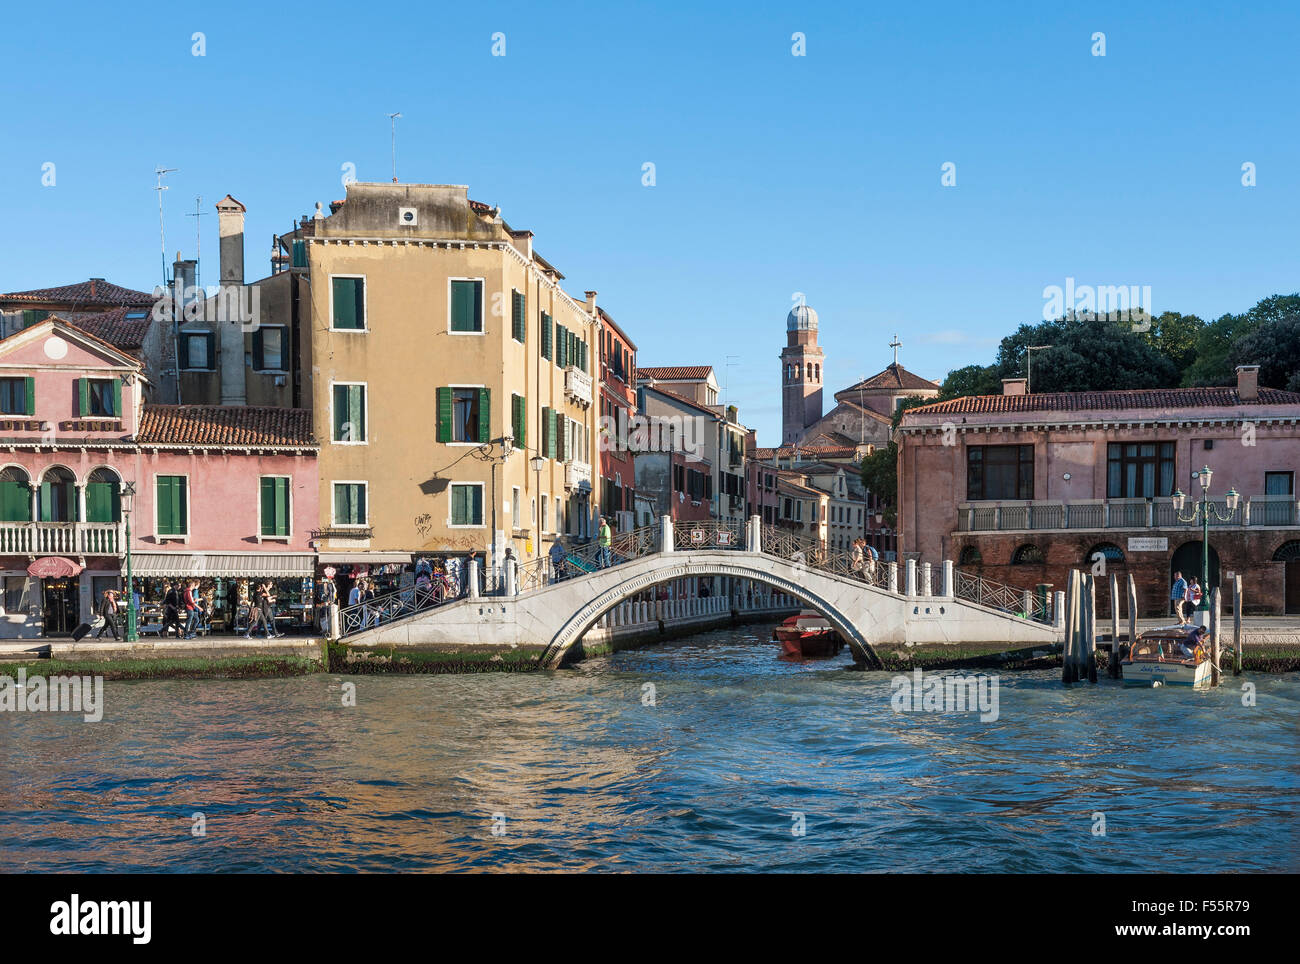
(726, 388)
(1029, 363)
(392, 120)
(198, 239)
(161, 172)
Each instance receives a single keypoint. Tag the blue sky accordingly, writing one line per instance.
(775, 174)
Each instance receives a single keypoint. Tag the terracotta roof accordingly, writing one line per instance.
(818, 452)
(684, 400)
(225, 425)
(111, 326)
(1152, 398)
(676, 373)
(96, 291)
(893, 378)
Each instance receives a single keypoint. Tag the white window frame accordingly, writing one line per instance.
(186, 333)
(365, 428)
(482, 327)
(365, 305)
(514, 507)
(545, 507)
(349, 525)
(288, 509)
(453, 410)
(481, 486)
(189, 499)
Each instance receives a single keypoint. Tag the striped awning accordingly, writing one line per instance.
(263, 565)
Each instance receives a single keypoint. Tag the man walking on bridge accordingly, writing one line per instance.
(604, 538)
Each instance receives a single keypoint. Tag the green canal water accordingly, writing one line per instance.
(707, 754)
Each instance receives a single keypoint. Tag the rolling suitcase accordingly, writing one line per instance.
(80, 632)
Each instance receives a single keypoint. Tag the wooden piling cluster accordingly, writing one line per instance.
(1080, 656)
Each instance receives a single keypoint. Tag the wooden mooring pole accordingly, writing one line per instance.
(1236, 625)
(1090, 626)
(1071, 615)
(1112, 664)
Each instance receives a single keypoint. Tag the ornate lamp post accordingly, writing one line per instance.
(128, 501)
(1202, 508)
(538, 463)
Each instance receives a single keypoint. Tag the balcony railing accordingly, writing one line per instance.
(575, 473)
(60, 538)
(577, 385)
(1258, 511)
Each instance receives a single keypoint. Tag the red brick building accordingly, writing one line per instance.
(618, 405)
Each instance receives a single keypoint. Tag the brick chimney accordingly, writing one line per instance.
(591, 301)
(1013, 386)
(1248, 383)
(230, 229)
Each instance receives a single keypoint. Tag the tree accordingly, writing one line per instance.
(971, 380)
(1174, 335)
(879, 470)
(1275, 347)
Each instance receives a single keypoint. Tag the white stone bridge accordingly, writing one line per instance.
(892, 605)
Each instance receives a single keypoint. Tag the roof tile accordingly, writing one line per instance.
(225, 425)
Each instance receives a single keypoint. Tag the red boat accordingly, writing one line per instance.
(807, 636)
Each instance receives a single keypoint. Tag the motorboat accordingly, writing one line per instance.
(1169, 656)
(807, 635)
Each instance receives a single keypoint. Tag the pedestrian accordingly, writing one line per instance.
(557, 555)
(267, 600)
(189, 599)
(108, 609)
(870, 558)
(604, 538)
(171, 609)
(855, 558)
(1192, 599)
(1177, 596)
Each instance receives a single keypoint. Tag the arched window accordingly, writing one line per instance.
(970, 556)
(809, 376)
(15, 495)
(1288, 552)
(58, 496)
(103, 496)
(1027, 555)
(1109, 551)
(817, 373)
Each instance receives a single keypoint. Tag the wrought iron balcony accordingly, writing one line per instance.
(61, 538)
(578, 385)
(1259, 511)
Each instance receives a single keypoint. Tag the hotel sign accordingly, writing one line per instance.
(1148, 544)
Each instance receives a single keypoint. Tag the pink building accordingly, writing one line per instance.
(1023, 488)
(221, 494)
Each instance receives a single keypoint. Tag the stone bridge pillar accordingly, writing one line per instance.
(666, 528)
(893, 576)
(909, 584)
(472, 575)
(946, 586)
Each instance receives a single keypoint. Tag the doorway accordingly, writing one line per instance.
(1187, 560)
(1289, 555)
(62, 605)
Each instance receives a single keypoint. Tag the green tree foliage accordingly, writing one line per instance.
(1215, 362)
(879, 470)
(1274, 346)
(1174, 335)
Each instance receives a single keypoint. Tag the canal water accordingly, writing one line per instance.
(706, 754)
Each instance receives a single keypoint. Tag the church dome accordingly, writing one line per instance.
(801, 318)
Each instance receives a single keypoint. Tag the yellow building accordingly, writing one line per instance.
(450, 378)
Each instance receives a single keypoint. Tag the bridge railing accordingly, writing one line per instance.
(997, 595)
(709, 534)
(391, 606)
(580, 560)
(788, 545)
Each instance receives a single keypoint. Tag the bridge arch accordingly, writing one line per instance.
(639, 578)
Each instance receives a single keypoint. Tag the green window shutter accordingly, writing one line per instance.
(183, 351)
(548, 336)
(117, 398)
(548, 432)
(582, 354)
(340, 504)
(466, 306)
(349, 303)
(561, 346)
(460, 505)
(476, 504)
(444, 415)
(83, 395)
(519, 420)
(171, 505)
(484, 414)
(357, 411)
(268, 507)
(281, 507)
(30, 385)
(520, 317)
(257, 346)
(15, 502)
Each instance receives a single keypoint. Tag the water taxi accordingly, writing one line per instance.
(1169, 656)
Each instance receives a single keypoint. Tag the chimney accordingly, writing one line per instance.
(591, 301)
(1013, 386)
(230, 228)
(1248, 383)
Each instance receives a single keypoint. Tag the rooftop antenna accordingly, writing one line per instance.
(198, 239)
(726, 388)
(1029, 363)
(160, 172)
(392, 119)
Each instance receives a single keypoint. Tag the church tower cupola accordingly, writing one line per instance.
(801, 374)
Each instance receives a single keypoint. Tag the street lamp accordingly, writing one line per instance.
(1203, 507)
(128, 502)
(538, 463)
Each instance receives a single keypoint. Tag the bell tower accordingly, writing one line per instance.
(801, 374)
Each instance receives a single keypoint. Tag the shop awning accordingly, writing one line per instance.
(53, 567)
(257, 565)
(362, 558)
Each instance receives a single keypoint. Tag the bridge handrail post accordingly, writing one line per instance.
(945, 586)
(892, 571)
(909, 584)
(472, 576)
(1058, 610)
(666, 530)
(512, 577)
(332, 616)
(925, 579)
(755, 534)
